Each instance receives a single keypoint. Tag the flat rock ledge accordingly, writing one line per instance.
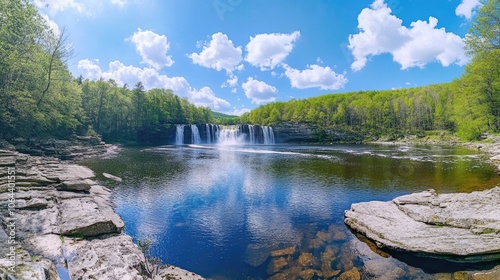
(65, 225)
(461, 227)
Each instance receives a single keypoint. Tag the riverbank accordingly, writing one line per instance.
(489, 145)
(57, 222)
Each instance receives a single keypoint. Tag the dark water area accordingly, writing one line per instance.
(220, 211)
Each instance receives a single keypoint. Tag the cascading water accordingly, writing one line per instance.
(195, 135)
(224, 135)
(268, 135)
(230, 135)
(251, 136)
(208, 133)
(179, 135)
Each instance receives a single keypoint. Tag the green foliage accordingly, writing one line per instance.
(223, 119)
(468, 106)
(39, 97)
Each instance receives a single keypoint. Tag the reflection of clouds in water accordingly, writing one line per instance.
(216, 221)
(269, 224)
(304, 200)
(256, 185)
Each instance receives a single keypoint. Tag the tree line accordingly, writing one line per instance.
(468, 106)
(40, 98)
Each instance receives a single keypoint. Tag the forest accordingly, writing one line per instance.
(468, 106)
(39, 97)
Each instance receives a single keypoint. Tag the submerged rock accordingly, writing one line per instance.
(352, 274)
(112, 177)
(276, 265)
(457, 227)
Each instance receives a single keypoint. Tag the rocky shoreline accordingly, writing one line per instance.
(490, 145)
(58, 223)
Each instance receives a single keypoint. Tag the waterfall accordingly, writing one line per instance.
(230, 135)
(195, 135)
(225, 134)
(268, 133)
(209, 135)
(179, 135)
(251, 135)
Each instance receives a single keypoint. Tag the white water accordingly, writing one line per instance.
(179, 135)
(209, 135)
(226, 135)
(195, 135)
(231, 136)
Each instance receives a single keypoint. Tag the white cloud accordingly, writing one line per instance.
(150, 78)
(152, 48)
(238, 112)
(466, 8)
(90, 68)
(52, 25)
(56, 6)
(219, 54)
(258, 91)
(423, 43)
(315, 77)
(232, 81)
(270, 50)
(206, 97)
(120, 3)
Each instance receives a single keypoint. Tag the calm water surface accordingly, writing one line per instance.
(220, 211)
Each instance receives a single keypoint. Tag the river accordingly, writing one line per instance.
(220, 210)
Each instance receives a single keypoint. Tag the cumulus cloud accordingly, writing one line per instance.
(237, 112)
(150, 78)
(315, 76)
(52, 25)
(270, 50)
(152, 48)
(219, 54)
(206, 97)
(56, 6)
(232, 81)
(466, 8)
(258, 91)
(422, 43)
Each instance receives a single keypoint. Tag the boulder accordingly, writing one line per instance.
(76, 185)
(457, 227)
(88, 216)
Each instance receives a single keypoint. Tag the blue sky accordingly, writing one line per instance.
(234, 55)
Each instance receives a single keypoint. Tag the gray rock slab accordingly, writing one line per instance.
(115, 257)
(88, 216)
(457, 227)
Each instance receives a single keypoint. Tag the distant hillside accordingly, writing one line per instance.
(218, 115)
(221, 118)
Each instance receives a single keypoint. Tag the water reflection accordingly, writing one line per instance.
(228, 211)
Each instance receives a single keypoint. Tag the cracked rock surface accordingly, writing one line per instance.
(461, 227)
